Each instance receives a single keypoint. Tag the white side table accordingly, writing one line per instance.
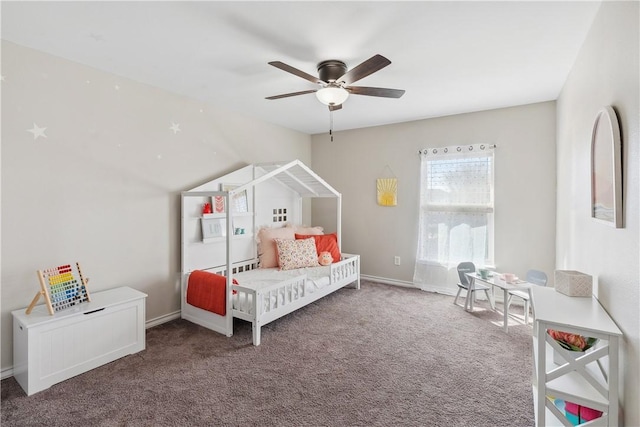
(589, 380)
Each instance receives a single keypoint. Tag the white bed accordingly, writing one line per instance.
(271, 196)
(263, 295)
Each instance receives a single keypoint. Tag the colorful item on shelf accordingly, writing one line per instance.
(62, 287)
(572, 342)
(575, 413)
(581, 414)
(206, 208)
(219, 204)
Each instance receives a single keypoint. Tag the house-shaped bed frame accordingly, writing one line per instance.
(224, 241)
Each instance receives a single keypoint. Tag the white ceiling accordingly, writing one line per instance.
(451, 57)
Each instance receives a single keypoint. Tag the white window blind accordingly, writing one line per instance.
(456, 213)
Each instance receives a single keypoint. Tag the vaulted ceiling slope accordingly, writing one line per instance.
(451, 57)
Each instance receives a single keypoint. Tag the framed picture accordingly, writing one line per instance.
(218, 204)
(606, 169)
(214, 227)
(239, 202)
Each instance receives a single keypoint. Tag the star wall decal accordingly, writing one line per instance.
(96, 37)
(175, 127)
(37, 131)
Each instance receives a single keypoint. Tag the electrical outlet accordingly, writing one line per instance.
(396, 260)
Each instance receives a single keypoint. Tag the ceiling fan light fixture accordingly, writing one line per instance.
(332, 95)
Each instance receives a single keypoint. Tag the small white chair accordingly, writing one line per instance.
(464, 283)
(535, 277)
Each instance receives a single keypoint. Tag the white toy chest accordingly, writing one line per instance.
(48, 349)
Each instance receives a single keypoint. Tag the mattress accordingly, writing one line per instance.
(261, 278)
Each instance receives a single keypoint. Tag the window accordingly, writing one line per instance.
(456, 209)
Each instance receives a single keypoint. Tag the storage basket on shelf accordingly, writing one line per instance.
(573, 283)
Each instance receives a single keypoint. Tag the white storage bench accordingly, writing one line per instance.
(50, 349)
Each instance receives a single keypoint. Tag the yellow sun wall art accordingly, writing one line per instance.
(387, 191)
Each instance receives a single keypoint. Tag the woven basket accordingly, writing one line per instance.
(573, 283)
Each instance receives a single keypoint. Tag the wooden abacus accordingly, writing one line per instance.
(60, 288)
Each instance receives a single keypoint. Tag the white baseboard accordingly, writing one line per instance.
(387, 281)
(162, 319)
(6, 373)
(404, 284)
(480, 295)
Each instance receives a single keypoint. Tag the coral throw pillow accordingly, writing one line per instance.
(296, 253)
(267, 251)
(325, 243)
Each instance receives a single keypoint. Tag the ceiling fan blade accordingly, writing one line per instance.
(375, 91)
(335, 107)
(286, 95)
(295, 71)
(369, 66)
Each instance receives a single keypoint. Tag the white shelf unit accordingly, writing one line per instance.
(224, 215)
(48, 349)
(223, 239)
(242, 220)
(588, 379)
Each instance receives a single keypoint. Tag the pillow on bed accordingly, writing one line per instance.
(267, 251)
(296, 253)
(325, 243)
(311, 231)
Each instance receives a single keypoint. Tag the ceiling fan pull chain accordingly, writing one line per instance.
(331, 124)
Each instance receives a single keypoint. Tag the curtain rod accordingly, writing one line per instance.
(458, 148)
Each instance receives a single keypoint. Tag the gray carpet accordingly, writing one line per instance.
(379, 356)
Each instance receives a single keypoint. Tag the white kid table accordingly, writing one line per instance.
(495, 281)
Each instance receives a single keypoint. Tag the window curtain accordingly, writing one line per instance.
(456, 213)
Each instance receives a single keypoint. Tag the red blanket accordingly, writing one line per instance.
(208, 291)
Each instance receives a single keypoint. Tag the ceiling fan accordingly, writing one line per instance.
(335, 81)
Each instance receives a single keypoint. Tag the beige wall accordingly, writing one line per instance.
(103, 187)
(524, 197)
(606, 72)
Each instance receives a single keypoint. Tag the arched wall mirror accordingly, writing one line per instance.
(606, 169)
